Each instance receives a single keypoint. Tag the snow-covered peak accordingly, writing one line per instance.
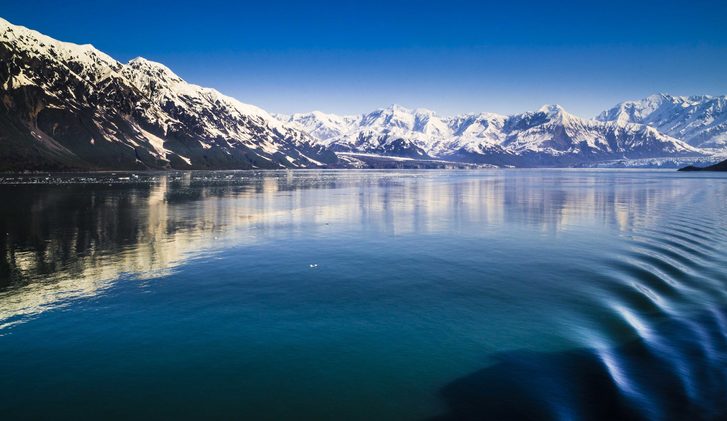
(158, 79)
(393, 116)
(551, 109)
(320, 125)
(154, 116)
(549, 131)
(396, 108)
(475, 122)
(640, 110)
(153, 69)
(154, 80)
(397, 117)
(29, 37)
(163, 85)
(700, 120)
(424, 111)
(557, 113)
(82, 60)
(323, 117)
(142, 113)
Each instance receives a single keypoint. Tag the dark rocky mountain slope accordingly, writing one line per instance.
(67, 106)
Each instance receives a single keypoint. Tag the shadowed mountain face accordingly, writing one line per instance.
(67, 106)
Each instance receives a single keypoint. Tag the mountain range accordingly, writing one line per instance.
(700, 121)
(65, 106)
(68, 106)
(548, 137)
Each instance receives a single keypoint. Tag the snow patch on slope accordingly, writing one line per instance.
(549, 131)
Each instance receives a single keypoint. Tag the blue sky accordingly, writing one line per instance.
(449, 56)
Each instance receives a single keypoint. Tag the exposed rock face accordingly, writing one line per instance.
(67, 106)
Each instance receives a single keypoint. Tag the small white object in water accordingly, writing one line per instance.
(314, 265)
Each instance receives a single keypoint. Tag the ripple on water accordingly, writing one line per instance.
(418, 276)
(655, 349)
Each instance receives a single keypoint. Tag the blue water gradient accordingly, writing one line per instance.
(551, 294)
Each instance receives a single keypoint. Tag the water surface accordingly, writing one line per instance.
(553, 294)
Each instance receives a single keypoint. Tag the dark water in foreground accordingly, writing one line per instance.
(366, 295)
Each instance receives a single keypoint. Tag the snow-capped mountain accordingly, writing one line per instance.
(320, 125)
(72, 106)
(390, 131)
(69, 106)
(549, 136)
(553, 136)
(698, 120)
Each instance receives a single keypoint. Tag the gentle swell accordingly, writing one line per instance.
(657, 349)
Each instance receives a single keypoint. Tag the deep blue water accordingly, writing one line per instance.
(550, 294)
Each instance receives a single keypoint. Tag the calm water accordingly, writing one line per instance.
(365, 295)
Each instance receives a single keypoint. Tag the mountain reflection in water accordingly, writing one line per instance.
(554, 294)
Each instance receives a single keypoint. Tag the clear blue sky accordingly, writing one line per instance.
(450, 56)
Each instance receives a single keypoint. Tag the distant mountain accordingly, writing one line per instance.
(71, 107)
(320, 125)
(388, 131)
(548, 137)
(698, 120)
(68, 106)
